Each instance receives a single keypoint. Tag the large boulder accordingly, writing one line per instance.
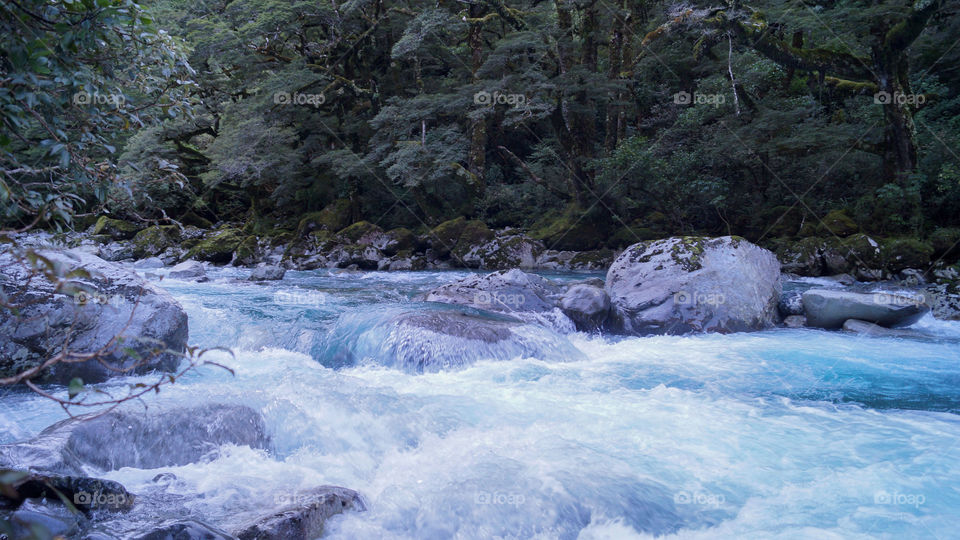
(267, 273)
(188, 270)
(508, 249)
(100, 308)
(429, 340)
(144, 440)
(829, 308)
(305, 518)
(694, 284)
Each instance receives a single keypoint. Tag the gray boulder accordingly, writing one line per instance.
(85, 493)
(694, 284)
(865, 328)
(827, 308)
(115, 251)
(303, 520)
(267, 273)
(148, 263)
(188, 270)
(99, 306)
(141, 440)
(508, 249)
(794, 321)
(586, 305)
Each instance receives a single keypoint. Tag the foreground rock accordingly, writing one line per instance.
(184, 530)
(102, 307)
(827, 308)
(305, 519)
(869, 329)
(142, 440)
(267, 273)
(694, 284)
(84, 493)
(587, 306)
(427, 341)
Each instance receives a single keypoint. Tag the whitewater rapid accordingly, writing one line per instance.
(777, 434)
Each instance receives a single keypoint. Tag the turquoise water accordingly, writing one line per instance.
(777, 434)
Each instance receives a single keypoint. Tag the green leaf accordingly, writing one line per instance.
(76, 386)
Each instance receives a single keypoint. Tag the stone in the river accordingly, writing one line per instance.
(791, 303)
(144, 440)
(506, 291)
(87, 313)
(827, 308)
(83, 492)
(267, 273)
(433, 340)
(188, 270)
(52, 519)
(303, 520)
(184, 530)
(869, 329)
(586, 305)
(694, 284)
(150, 262)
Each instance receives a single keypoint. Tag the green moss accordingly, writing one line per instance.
(358, 230)
(688, 252)
(217, 247)
(837, 223)
(627, 236)
(592, 259)
(444, 237)
(901, 253)
(247, 252)
(400, 239)
(474, 233)
(116, 228)
(334, 217)
(154, 240)
(567, 231)
(191, 218)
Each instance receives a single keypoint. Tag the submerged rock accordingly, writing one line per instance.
(184, 530)
(87, 314)
(305, 519)
(267, 273)
(85, 493)
(826, 308)
(141, 440)
(432, 340)
(869, 329)
(694, 284)
(791, 303)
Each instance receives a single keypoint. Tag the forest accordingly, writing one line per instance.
(587, 123)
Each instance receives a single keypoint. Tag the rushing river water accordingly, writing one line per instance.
(776, 434)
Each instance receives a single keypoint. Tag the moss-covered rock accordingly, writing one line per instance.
(361, 232)
(334, 217)
(901, 253)
(443, 238)
(248, 252)
(837, 223)
(152, 241)
(217, 247)
(397, 240)
(195, 220)
(599, 259)
(473, 235)
(567, 231)
(118, 229)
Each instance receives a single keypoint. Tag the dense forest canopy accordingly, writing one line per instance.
(611, 120)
